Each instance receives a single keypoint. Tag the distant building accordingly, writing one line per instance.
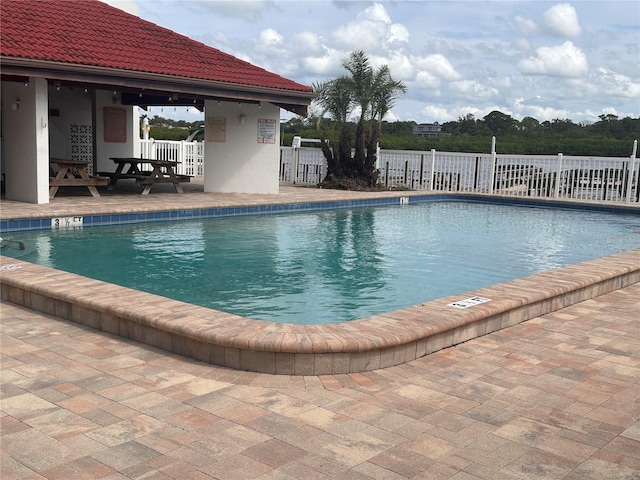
(427, 129)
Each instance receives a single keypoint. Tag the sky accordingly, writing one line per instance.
(572, 60)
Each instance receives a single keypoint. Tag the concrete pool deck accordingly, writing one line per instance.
(556, 397)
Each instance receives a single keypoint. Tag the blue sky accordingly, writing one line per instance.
(542, 59)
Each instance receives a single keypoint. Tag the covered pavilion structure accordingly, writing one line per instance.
(74, 74)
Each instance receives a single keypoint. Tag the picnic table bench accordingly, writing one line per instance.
(73, 173)
(162, 171)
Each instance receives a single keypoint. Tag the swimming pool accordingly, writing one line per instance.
(334, 265)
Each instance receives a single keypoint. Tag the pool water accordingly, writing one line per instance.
(334, 265)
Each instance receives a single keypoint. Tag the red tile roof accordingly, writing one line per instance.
(92, 33)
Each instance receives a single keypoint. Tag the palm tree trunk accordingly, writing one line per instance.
(372, 148)
(357, 164)
(332, 167)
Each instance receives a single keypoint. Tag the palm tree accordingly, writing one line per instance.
(370, 92)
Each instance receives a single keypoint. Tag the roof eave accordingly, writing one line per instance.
(295, 101)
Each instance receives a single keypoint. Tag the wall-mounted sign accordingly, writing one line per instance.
(216, 129)
(266, 130)
(115, 124)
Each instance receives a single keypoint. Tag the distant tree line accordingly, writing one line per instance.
(168, 129)
(610, 136)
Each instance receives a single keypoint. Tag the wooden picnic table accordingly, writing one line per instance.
(163, 171)
(67, 178)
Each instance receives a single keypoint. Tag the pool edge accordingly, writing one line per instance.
(367, 344)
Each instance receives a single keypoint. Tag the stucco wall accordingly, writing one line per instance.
(237, 158)
(25, 138)
(70, 124)
(105, 146)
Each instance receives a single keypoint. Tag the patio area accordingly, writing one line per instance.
(556, 397)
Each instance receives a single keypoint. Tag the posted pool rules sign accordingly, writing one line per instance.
(266, 130)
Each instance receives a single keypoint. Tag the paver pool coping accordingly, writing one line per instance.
(367, 344)
(371, 343)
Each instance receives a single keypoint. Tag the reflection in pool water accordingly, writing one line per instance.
(333, 265)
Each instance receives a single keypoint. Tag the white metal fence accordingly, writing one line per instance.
(189, 155)
(547, 176)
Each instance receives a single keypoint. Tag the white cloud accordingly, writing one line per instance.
(371, 31)
(474, 89)
(361, 35)
(617, 84)
(400, 66)
(564, 60)
(542, 113)
(324, 65)
(427, 80)
(367, 32)
(270, 38)
(562, 20)
(397, 34)
(437, 114)
(534, 107)
(521, 45)
(618, 88)
(308, 42)
(390, 117)
(376, 13)
(437, 65)
(525, 25)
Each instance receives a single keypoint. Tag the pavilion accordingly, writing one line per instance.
(74, 74)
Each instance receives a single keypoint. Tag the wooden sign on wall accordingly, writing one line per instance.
(115, 124)
(216, 129)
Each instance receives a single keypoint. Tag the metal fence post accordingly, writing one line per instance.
(295, 161)
(631, 170)
(556, 189)
(494, 159)
(182, 155)
(433, 168)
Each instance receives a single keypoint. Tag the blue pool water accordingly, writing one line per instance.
(333, 265)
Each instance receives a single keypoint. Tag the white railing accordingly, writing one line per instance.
(189, 155)
(302, 165)
(613, 179)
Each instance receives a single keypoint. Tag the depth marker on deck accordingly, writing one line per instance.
(469, 302)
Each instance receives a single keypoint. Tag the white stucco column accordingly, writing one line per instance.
(26, 140)
(242, 148)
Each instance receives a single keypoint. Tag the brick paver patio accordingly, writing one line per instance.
(557, 397)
